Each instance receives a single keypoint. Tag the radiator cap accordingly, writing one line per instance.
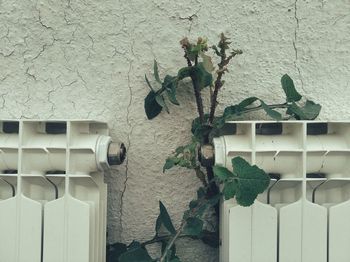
(116, 153)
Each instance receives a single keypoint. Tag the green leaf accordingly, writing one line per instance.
(135, 253)
(199, 130)
(193, 226)
(202, 132)
(289, 88)
(161, 102)
(234, 112)
(171, 254)
(203, 76)
(193, 51)
(152, 108)
(308, 112)
(164, 219)
(169, 85)
(185, 156)
(205, 79)
(246, 195)
(156, 73)
(184, 72)
(247, 102)
(222, 173)
(170, 162)
(207, 63)
(251, 181)
(179, 150)
(193, 204)
(270, 112)
(201, 209)
(212, 201)
(172, 96)
(212, 239)
(148, 83)
(230, 189)
(114, 251)
(231, 110)
(201, 192)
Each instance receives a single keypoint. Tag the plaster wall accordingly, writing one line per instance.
(87, 59)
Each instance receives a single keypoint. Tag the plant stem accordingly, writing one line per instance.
(198, 96)
(196, 89)
(193, 213)
(218, 83)
(187, 59)
(213, 102)
(197, 92)
(172, 241)
(223, 44)
(213, 190)
(252, 109)
(157, 239)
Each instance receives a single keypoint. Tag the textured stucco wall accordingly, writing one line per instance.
(87, 59)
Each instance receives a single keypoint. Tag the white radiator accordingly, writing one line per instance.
(304, 216)
(52, 195)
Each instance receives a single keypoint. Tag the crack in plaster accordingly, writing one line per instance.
(43, 48)
(131, 127)
(82, 79)
(116, 51)
(53, 105)
(4, 78)
(3, 100)
(31, 75)
(339, 18)
(191, 18)
(92, 46)
(41, 21)
(8, 54)
(295, 40)
(7, 34)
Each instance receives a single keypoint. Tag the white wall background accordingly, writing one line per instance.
(87, 59)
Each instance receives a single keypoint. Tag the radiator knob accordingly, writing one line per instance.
(116, 153)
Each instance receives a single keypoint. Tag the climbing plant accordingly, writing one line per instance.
(242, 181)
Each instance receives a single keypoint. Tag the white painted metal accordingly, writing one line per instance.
(50, 216)
(299, 218)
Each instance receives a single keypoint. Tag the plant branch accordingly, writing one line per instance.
(201, 176)
(223, 45)
(172, 241)
(273, 106)
(195, 82)
(193, 213)
(198, 96)
(189, 63)
(213, 190)
(157, 239)
(213, 103)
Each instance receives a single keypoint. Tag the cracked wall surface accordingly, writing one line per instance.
(87, 59)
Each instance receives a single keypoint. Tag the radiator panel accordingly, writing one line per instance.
(52, 194)
(304, 215)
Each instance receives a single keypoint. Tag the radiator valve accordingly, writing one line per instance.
(116, 153)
